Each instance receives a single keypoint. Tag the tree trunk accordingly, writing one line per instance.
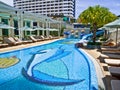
(94, 31)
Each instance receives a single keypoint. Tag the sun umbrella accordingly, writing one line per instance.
(114, 24)
(38, 28)
(52, 29)
(26, 28)
(5, 26)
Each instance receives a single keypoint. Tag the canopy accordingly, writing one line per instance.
(5, 26)
(114, 24)
(38, 28)
(26, 28)
(52, 29)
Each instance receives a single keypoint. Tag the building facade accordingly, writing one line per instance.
(47, 7)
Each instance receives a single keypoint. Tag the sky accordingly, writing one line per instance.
(81, 5)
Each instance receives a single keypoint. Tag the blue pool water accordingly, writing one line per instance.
(53, 66)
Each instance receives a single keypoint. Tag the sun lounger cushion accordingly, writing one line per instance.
(115, 84)
(3, 45)
(33, 39)
(109, 43)
(112, 62)
(111, 49)
(108, 55)
(11, 41)
(115, 71)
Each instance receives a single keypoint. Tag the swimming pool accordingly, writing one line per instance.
(53, 66)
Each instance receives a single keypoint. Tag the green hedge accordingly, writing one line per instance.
(96, 43)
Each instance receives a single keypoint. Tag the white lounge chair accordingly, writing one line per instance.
(115, 71)
(44, 38)
(11, 41)
(38, 38)
(3, 45)
(111, 49)
(33, 39)
(108, 55)
(115, 84)
(24, 42)
(115, 62)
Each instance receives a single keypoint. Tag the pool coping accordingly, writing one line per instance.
(99, 72)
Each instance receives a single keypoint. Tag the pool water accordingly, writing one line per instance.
(54, 64)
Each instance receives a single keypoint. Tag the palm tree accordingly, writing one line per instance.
(97, 16)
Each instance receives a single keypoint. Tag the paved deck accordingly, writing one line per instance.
(9, 48)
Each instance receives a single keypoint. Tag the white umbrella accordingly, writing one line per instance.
(26, 28)
(114, 24)
(5, 26)
(38, 28)
(52, 29)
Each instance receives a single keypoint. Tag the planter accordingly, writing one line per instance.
(93, 46)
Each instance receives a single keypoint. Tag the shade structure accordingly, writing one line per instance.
(52, 29)
(26, 28)
(38, 28)
(114, 24)
(5, 26)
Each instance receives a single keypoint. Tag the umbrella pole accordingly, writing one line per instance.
(116, 36)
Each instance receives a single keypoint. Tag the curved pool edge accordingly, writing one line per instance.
(99, 72)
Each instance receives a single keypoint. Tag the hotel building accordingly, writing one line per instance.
(48, 7)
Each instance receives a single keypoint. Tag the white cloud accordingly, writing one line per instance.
(118, 4)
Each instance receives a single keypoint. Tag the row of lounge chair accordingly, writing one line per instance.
(111, 57)
(41, 38)
(11, 41)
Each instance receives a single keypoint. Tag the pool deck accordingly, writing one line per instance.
(103, 75)
(9, 48)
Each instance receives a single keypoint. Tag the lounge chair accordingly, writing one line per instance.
(38, 38)
(19, 40)
(33, 39)
(111, 52)
(114, 62)
(115, 84)
(52, 37)
(115, 71)
(44, 38)
(108, 55)
(109, 42)
(111, 49)
(3, 45)
(11, 41)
